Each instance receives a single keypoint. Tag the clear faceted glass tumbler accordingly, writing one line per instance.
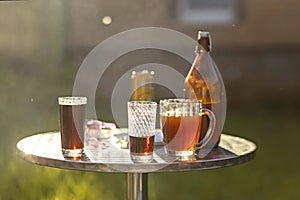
(141, 127)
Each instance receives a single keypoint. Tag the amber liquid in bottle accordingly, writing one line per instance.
(195, 87)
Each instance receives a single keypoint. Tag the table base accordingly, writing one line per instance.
(137, 186)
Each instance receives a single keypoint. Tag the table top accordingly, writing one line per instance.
(110, 153)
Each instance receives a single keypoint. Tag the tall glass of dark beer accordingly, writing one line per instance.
(72, 124)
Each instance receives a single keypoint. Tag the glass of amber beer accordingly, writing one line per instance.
(181, 122)
(141, 128)
(72, 125)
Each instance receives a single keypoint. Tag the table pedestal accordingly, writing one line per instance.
(137, 186)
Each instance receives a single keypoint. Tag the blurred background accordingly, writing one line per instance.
(256, 46)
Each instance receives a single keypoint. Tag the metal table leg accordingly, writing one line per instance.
(137, 186)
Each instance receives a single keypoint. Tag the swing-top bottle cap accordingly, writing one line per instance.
(204, 40)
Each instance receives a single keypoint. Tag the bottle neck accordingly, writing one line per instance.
(200, 50)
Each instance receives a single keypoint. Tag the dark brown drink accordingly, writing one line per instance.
(72, 119)
(141, 146)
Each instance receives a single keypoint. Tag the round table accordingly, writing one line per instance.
(109, 153)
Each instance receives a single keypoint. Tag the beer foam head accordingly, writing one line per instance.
(180, 107)
(71, 101)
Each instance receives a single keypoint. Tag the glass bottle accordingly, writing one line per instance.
(141, 83)
(205, 83)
